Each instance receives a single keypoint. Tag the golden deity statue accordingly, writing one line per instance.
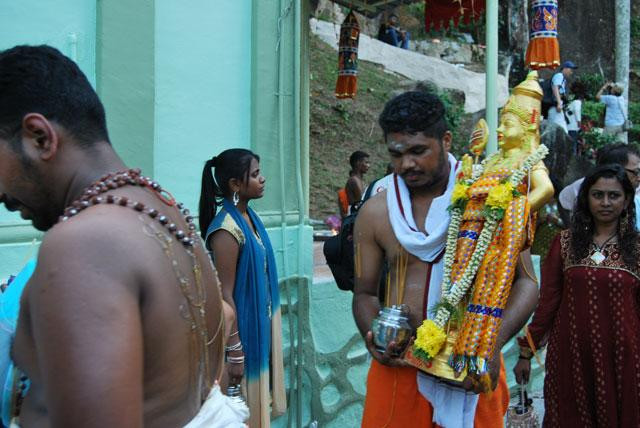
(519, 137)
(492, 222)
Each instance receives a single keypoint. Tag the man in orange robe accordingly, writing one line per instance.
(407, 223)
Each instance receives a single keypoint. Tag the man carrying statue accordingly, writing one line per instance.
(428, 228)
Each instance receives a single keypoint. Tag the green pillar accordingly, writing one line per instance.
(492, 74)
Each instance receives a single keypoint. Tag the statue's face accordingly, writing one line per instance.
(510, 132)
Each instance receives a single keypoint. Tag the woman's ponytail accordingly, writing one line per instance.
(208, 192)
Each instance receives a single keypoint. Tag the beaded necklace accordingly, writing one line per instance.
(195, 296)
(91, 196)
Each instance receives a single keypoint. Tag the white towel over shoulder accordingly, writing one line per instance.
(452, 407)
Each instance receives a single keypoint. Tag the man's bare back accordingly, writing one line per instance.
(104, 309)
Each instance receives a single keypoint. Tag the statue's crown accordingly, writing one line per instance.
(526, 100)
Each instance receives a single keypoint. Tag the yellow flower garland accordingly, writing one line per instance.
(500, 196)
(460, 192)
(429, 338)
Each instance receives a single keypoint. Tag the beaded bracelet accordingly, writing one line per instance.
(235, 360)
(234, 347)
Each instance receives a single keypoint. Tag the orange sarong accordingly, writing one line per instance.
(393, 400)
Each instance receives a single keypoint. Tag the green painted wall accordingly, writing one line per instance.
(191, 94)
(70, 26)
(203, 89)
(126, 77)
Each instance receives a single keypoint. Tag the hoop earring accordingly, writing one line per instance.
(236, 199)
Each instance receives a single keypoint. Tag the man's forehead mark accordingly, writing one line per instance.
(397, 145)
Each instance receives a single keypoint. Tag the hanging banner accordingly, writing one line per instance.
(347, 84)
(439, 13)
(543, 50)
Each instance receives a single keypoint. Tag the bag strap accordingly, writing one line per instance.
(367, 194)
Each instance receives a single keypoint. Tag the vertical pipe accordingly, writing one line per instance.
(281, 156)
(283, 203)
(491, 67)
(623, 49)
(297, 49)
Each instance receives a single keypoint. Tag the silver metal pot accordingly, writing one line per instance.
(391, 325)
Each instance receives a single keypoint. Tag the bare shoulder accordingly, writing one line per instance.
(373, 216)
(354, 179)
(100, 228)
(103, 244)
(374, 207)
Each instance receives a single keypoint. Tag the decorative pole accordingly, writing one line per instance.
(491, 70)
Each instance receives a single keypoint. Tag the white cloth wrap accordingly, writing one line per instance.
(452, 407)
(220, 411)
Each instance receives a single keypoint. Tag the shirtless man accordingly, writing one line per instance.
(105, 330)
(359, 162)
(418, 141)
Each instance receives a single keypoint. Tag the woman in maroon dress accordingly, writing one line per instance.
(589, 311)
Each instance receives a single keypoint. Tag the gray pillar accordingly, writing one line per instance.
(491, 65)
(623, 47)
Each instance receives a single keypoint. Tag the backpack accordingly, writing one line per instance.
(338, 250)
(548, 100)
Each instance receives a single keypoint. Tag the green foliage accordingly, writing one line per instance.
(593, 111)
(595, 139)
(416, 10)
(635, 28)
(457, 312)
(634, 134)
(634, 115)
(634, 112)
(592, 83)
(455, 111)
(635, 44)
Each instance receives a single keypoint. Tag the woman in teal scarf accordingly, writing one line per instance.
(243, 257)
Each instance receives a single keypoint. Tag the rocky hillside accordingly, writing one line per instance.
(338, 128)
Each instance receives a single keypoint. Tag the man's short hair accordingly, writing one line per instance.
(356, 157)
(40, 79)
(616, 154)
(413, 112)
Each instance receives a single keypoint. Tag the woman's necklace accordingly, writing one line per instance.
(598, 256)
